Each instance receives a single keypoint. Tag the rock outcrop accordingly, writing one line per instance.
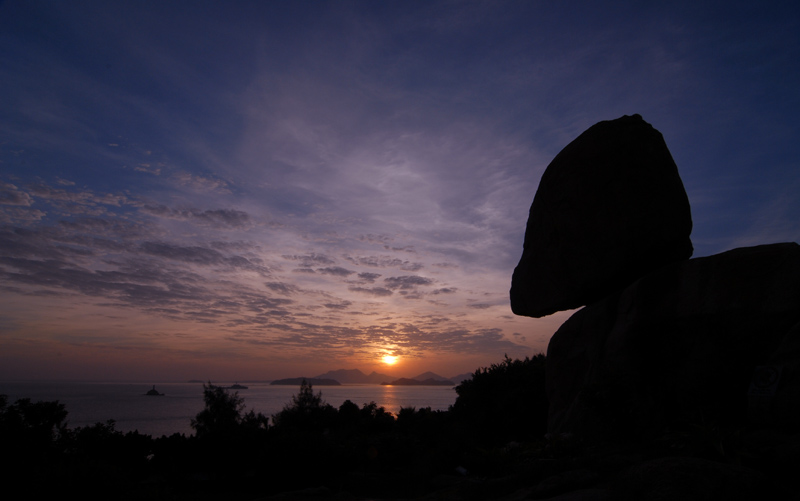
(681, 346)
(610, 208)
(690, 367)
(664, 341)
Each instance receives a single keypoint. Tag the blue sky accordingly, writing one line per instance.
(270, 189)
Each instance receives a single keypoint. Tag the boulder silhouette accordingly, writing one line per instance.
(610, 208)
(682, 345)
(693, 358)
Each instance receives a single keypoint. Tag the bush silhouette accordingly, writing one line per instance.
(504, 402)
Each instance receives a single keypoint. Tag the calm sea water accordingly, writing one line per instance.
(89, 403)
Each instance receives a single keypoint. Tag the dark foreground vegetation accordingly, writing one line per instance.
(490, 444)
(310, 448)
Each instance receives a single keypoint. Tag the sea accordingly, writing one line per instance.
(126, 403)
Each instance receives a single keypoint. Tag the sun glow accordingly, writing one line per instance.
(389, 359)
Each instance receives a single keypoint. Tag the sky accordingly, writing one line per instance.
(255, 190)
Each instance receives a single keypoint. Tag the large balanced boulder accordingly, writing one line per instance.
(712, 341)
(610, 208)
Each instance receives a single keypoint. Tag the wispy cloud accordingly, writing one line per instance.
(216, 218)
(373, 291)
(11, 195)
(385, 262)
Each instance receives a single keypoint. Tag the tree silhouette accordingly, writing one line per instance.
(307, 411)
(31, 427)
(306, 400)
(222, 414)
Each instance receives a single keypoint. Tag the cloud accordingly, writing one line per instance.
(406, 282)
(408, 339)
(309, 260)
(156, 171)
(216, 218)
(340, 305)
(11, 195)
(151, 287)
(372, 291)
(20, 215)
(69, 229)
(375, 239)
(384, 262)
(197, 255)
(82, 236)
(200, 255)
(303, 270)
(201, 184)
(335, 270)
(141, 289)
(76, 198)
(369, 277)
(235, 245)
(282, 288)
(445, 265)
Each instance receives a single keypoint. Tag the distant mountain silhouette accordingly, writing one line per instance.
(461, 377)
(430, 375)
(355, 376)
(294, 381)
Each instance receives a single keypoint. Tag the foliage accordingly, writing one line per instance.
(363, 449)
(305, 400)
(369, 418)
(49, 458)
(306, 412)
(31, 428)
(494, 431)
(222, 414)
(349, 415)
(376, 419)
(504, 402)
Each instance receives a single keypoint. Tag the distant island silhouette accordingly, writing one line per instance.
(415, 382)
(153, 392)
(355, 376)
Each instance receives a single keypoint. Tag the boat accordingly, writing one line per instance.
(236, 386)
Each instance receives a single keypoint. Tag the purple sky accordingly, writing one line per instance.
(253, 190)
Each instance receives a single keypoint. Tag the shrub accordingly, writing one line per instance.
(504, 402)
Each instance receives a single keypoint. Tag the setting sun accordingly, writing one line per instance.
(389, 359)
